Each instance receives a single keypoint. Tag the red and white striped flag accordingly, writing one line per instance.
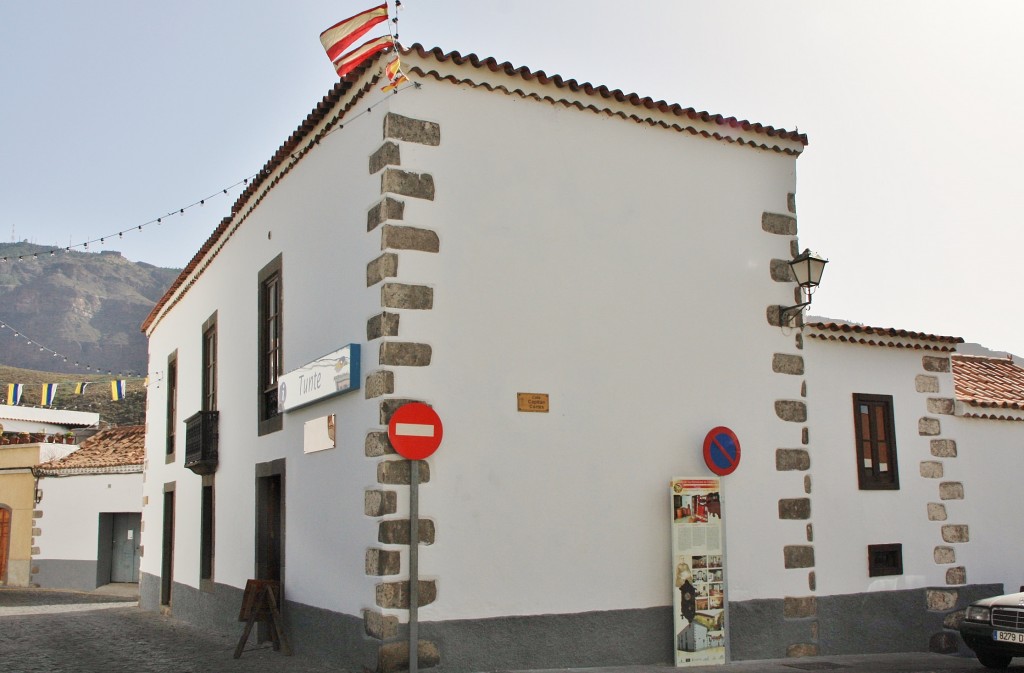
(339, 37)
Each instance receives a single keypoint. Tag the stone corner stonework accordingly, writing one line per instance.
(778, 223)
(793, 411)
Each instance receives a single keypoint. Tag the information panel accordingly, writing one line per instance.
(331, 374)
(698, 571)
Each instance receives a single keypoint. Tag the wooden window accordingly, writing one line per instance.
(885, 559)
(876, 442)
(270, 345)
(206, 534)
(172, 403)
(209, 402)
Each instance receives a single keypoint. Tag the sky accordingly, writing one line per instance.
(115, 113)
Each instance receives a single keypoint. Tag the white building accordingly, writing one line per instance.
(488, 232)
(89, 502)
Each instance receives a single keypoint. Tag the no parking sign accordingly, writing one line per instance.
(722, 450)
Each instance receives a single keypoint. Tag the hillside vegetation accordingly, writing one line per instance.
(96, 399)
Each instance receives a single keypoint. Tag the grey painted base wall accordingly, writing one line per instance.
(890, 621)
(65, 574)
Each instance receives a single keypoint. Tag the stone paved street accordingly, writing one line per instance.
(110, 638)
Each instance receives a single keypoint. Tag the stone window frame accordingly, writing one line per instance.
(879, 434)
(270, 351)
(172, 406)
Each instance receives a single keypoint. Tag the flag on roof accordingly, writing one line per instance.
(338, 38)
(342, 35)
(393, 71)
(117, 390)
(49, 391)
(80, 387)
(14, 393)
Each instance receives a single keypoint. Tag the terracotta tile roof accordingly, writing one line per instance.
(988, 382)
(300, 142)
(880, 336)
(120, 449)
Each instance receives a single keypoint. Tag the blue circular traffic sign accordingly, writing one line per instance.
(722, 450)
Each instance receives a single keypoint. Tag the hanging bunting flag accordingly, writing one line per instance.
(80, 387)
(117, 390)
(393, 71)
(343, 34)
(350, 61)
(49, 391)
(13, 393)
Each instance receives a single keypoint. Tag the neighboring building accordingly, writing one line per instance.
(491, 232)
(29, 436)
(90, 501)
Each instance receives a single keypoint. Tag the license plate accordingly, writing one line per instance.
(1008, 637)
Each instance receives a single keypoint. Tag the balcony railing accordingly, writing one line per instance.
(201, 439)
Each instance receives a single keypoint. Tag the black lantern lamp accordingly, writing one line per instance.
(807, 268)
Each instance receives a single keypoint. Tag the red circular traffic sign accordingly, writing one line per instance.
(415, 431)
(722, 451)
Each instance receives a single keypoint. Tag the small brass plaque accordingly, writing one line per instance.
(537, 402)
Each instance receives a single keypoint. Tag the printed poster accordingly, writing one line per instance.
(698, 571)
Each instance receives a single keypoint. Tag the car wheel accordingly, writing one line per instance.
(993, 659)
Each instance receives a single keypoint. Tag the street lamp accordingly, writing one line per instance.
(807, 268)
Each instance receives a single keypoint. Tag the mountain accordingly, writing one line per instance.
(88, 307)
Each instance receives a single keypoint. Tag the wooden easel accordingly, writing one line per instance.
(260, 603)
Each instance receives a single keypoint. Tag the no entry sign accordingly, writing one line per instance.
(722, 450)
(415, 431)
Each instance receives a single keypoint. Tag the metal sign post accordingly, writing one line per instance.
(414, 565)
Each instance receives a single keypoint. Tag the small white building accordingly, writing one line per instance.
(89, 504)
(582, 283)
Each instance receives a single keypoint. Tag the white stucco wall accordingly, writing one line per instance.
(618, 267)
(71, 509)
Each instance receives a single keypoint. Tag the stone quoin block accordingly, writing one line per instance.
(379, 383)
(412, 130)
(799, 607)
(37, 531)
(777, 223)
(929, 427)
(943, 448)
(403, 354)
(399, 295)
(398, 472)
(798, 650)
(955, 533)
(810, 532)
(957, 575)
(932, 363)
(805, 436)
(780, 271)
(944, 555)
(389, 407)
(940, 405)
(791, 203)
(953, 619)
(394, 657)
(379, 625)
(798, 556)
(395, 595)
(931, 469)
(35, 551)
(783, 363)
(380, 503)
(793, 411)
(396, 531)
(385, 209)
(926, 384)
(792, 459)
(387, 155)
(406, 183)
(940, 600)
(385, 266)
(380, 562)
(398, 237)
(382, 325)
(803, 389)
(795, 508)
(807, 484)
(37, 514)
(951, 490)
(936, 511)
(812, 585)
(377, 444)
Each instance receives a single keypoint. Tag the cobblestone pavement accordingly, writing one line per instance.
(110, 638)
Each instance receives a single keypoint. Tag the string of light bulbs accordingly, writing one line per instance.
(18, 334)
